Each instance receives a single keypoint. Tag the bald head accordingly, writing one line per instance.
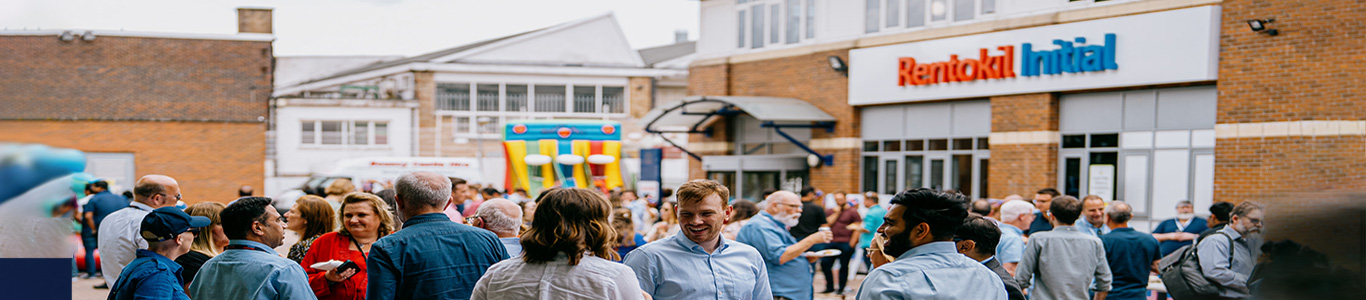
(156, 191)
(500, 216)
(1119, 213)
(780, 200)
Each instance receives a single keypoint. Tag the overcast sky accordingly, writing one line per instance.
(359, 27)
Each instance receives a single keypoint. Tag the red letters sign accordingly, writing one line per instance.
(953, 70)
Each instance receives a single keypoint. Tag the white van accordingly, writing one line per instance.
(373, 173)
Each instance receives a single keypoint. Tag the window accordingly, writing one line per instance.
(550, 98)
(360, 133)
(915, 172)
(488, 97)
(775, 17)
(381, 133)
(870, 173)
(487, 125)
(614, 98)
(891, 146)
(893, 13)
(462, 125)
(740, 41)
(585, 99)
(870, 146)
(988, 6)
(331, 132)
(915, 13)
(794, 19)
(453, 96)
(757, 22)
(962, 10)
(871, 12)
(810, 19)
(308, 136)
(939, 10)
(516, 97)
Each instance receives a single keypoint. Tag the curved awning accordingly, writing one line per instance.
(694, 113)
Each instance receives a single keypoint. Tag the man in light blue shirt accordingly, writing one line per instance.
(919, 230)
(249, 267)
(1015, 216)
(1093, 217)
(699, 263)
(789, 277)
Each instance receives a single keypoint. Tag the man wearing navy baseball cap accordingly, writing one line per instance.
(155, 274)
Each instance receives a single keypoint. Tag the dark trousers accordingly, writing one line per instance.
(88, 241)
(827, 263)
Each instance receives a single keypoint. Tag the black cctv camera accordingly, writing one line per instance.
(1260, 26)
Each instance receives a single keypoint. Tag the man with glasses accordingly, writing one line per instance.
(788, 276)
(249, 267)
(119, 235)
(1042, 201)
(1241, 237)
(155, 274)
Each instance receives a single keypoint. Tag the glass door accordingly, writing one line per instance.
(891, 171)
(937, 171)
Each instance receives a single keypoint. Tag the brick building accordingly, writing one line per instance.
(1146, 101)
(190, 106)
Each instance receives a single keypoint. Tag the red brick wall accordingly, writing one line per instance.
(210, 160)
(709, 80)
(125, 78)
(1023, 168)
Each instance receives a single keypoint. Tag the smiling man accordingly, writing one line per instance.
(919, 230)
(699, 263)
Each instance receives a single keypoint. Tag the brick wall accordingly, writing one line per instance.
(642, 96)
(210, 160)
(126, 78)
(709, 80)
(424, 86)
(1023, 168)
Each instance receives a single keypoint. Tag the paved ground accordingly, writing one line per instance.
(83, 289)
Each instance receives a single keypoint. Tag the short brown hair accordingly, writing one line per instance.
(341, 186)
(570, 221)
(1066, 209)
(318, 216)
(386, 222)
(699, 189)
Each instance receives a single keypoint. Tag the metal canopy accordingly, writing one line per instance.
(693, 113)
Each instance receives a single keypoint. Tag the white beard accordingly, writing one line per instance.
(1185, 216)
(788, 220)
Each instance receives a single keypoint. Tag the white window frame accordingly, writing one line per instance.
(347, 133)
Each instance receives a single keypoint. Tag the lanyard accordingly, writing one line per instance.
(243, 247)
(358, 247)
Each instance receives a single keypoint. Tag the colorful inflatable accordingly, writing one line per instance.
(562, 153)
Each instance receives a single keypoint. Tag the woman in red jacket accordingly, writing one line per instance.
(365, 218)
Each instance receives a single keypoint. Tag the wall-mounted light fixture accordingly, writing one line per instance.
(1260, 26)
(837, 63)
(88, 36)
(66, 36)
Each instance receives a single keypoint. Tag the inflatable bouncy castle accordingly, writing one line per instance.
(562, 153)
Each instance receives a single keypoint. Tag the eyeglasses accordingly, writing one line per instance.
(177, 196)
(790, 205)
(1255, 221)
(470, 220)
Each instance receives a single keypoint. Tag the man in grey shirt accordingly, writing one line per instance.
(1066, 259)
(1242, 236)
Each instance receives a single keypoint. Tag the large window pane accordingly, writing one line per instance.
(360, 133)
(962, 173)
(453, 96)
(550, 98)
(614, 97)
(309, 136)
(331, 132)
(893, 13)
(585, 99)
(890, 171)
(962, 10)
(1071, 178)
(988, 6)
(871, 13)
(754, 183)
(381, 133)
(794, 20)
(462, 125)
(983, 191)
(915, 172)
(870, 173)
(757, 22)
(936, 174)
(775, 19)
(810, 18)
(915, 13)
(487, 95)
(516, 97)
(487, 124)
(740, 34)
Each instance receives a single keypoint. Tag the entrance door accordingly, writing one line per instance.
(937, 172)
(891, 169)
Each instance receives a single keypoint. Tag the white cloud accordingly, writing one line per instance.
(359, 27)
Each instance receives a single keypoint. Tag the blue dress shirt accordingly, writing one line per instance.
(765, 234)
(1011, 246)
(678, 268)
(431, 258)
(1087, 228)
(933, 271)
(258, 273)
(150, 276)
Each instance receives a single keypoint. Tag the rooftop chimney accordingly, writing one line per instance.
(253, 20)
(680, 35)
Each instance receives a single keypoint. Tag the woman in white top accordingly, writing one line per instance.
(668, 223)
(567, 254)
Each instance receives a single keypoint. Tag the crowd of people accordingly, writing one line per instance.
(435, 237)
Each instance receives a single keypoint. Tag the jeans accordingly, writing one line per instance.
(846, 252)
(90, 245)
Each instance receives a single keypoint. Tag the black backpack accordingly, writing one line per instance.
(1181, 273)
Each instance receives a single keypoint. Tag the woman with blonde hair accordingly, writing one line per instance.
(209, 242)
(365, 218)
(567, 253)
(667, 225)
(311, 217)
(629, 238)
(338, 190)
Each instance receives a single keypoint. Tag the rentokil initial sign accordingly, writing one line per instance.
(1073, 56)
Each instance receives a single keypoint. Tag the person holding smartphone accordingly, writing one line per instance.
(364, 218)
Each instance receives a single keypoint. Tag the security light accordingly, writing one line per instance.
(1260, 26)
(66, 36)
(838, 64)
